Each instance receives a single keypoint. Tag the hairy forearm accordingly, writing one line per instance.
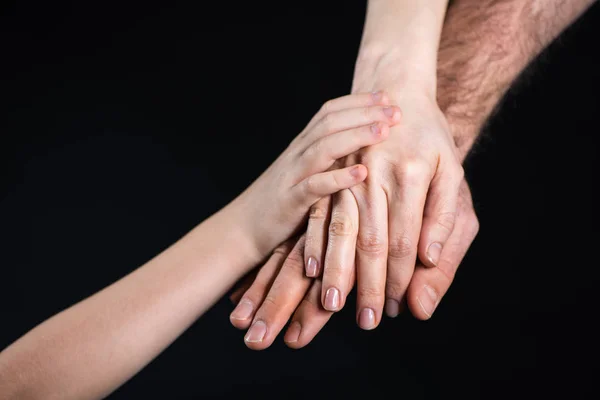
(485, 44)
(91, 348)
(399, 46)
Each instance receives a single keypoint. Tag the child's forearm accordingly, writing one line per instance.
(91, 348)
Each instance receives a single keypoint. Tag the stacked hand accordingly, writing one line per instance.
(400, 235)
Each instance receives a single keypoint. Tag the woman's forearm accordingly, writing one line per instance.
(91, 348)
(399, 46)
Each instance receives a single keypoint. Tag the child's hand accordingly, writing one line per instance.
(274, 206)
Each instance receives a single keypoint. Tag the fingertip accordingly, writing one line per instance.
(366, 319)
(393, 114)
(434, 250)
(423, 301)
(292, 335)
(311, 267)
(239, 323)
(358, 172)
(384, 130)
(242, 315)
(380, 97)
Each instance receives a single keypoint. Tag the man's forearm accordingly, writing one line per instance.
(485, 45)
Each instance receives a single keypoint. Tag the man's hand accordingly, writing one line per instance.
(406, 206)
(485, 45)
(293, 291)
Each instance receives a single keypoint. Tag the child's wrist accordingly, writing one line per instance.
(246, 231)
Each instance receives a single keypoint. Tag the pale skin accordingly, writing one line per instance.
(483, 48)
(93, 347)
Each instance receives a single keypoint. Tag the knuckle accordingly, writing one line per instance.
(447, 220)
(328, 124)
(314, 150)
(270, 301)
(283, 249)
(332, 271)
(371, 243)
(395, 289)
(317, 213)
(370, 292)
(295, 260)
(327, 107)
(474, 226)
(414, 172)
(280, 251)
(311, 303)
(341, 225)
(311, 185)
(400, 247)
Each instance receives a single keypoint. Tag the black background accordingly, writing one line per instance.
(125, 124)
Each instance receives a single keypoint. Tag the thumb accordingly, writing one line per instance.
(439, 215)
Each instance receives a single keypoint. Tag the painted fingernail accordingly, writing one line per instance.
(243, 310)
(428, 300)
(392, 308)
(366, 319)
(256, 333)
(311, 267)
(332, 299)
(433, 252)
(293, 332)
(389, 112)
(377, 96)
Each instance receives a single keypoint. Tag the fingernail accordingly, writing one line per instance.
(392, 308)
(389, 112)
(311, 267)
(243, 310)
(433, 252)
(256, 333)
(355, 172)
(375, 129)
(332, 299)
(428, 299)
(377, 96)
(293, 332)
(366, 319)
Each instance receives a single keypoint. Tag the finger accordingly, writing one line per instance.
(321, 154)
(439, 215)
(358, 100)
(371, 252)
(316, 236)
(242, 286)
(242, 315)
(342, 120)
(341, 250)
(310, 316)
(313, 188)
(285, 294)
(406, 204)
(429, 285)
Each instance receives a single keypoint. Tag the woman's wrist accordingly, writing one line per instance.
(378, 69)
(399, 46)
